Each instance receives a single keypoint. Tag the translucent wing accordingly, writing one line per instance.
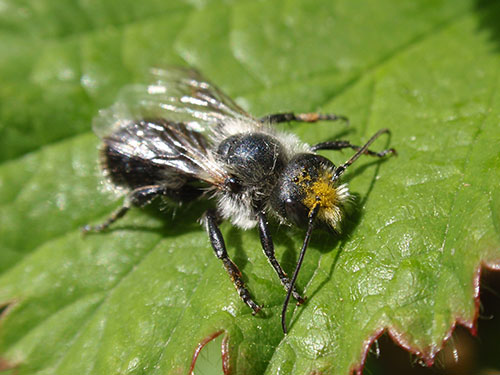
(177, 95)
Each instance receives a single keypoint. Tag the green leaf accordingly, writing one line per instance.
(141, 298)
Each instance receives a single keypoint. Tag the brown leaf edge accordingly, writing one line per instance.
(428, 354)
(224, 352)
(6, 365)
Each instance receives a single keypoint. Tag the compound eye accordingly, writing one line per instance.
(296, 212)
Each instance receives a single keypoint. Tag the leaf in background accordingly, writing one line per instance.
(140, 298)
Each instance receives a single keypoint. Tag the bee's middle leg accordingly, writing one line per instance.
(219, 246)
(339, 145)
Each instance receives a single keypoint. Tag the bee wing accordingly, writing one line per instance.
(194, 90)
(177, 95)
(162, 122)
(168, 151)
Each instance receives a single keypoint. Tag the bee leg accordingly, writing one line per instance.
(276, 118)
(360, 151)
(339, 145)
(136, 198)
(217, 242)
(268, 247)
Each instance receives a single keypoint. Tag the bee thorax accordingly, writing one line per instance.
(255, 159)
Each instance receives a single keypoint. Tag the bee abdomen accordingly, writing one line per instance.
(128, 172)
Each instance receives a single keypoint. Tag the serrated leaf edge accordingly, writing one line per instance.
(428, 355)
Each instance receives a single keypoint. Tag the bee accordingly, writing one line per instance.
(181, 138)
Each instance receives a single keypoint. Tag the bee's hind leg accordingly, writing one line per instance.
(139, 197)
(217, 242)
(268, 247)
(277, 118)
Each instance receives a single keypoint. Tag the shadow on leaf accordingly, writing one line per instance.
(489, 16)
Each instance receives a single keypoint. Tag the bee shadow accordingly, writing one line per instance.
(174, 220)
(340, 134)
(234, 240)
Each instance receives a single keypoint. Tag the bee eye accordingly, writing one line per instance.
(296, 212)
(286, 200)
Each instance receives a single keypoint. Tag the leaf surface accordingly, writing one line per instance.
(140, 298)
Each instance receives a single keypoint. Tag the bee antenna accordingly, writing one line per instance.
(341, 168)
(312, 215)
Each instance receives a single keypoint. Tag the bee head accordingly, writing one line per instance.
(308, 181)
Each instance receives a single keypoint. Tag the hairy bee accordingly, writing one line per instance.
(180, 137)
